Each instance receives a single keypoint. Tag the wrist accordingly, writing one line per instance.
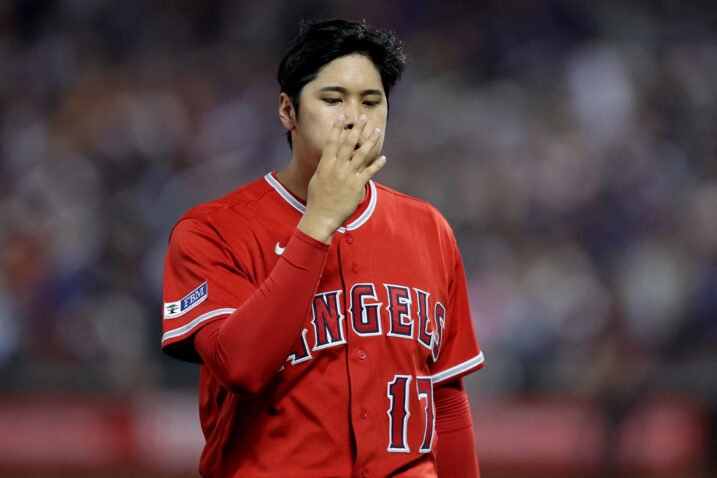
(321, 229)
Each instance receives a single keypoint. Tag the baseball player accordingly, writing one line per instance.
(329, 313)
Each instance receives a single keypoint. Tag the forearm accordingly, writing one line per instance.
(247, 348)
(456, 455)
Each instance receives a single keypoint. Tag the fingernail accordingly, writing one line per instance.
(340, 118)
(376, 132)
(362, 118)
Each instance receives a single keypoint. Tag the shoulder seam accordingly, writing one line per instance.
(219, 204)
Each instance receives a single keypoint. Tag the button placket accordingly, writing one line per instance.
(362, 423)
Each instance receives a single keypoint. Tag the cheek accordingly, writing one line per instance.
(378, 120)
(323, 128)
(318, 127)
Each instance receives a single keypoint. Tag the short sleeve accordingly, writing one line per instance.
(456, 351)
(202, 283)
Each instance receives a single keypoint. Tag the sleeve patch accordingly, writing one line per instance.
(172, 310)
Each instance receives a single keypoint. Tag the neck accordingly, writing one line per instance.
(295, 177)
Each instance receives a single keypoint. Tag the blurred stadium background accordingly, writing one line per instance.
(571, 145)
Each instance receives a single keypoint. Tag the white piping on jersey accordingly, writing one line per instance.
(285, 194)
(296, 204)
(458, 369)
(186, 328)
(367, 213)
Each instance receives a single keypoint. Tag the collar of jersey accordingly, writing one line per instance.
(301, 207)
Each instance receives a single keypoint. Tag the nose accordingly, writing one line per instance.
(352, 115)
(350, 121)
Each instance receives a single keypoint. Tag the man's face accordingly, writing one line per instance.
(349, 85)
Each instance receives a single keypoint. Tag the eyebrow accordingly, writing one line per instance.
(341, 89)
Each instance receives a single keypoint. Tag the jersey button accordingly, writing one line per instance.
(364, 413)
(364, 473)
(362, 354)
(348, 238)
(354, 267)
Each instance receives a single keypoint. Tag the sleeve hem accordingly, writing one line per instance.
(304, 252)
(459, 370)
(310, 240)
(171, 338)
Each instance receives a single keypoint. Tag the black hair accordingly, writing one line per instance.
(320, 42)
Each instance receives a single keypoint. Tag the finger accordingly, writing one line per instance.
(367, 151)
(334, 139)
(352, 139)
(374, 167)
(342, 138)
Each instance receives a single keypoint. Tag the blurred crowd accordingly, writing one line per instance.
(571, 146)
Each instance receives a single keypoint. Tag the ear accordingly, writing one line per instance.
(287, 114)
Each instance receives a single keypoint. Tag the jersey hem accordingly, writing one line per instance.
(459, 370)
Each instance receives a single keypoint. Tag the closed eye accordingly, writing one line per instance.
(332, 101)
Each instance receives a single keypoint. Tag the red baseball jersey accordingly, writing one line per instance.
(389, 322)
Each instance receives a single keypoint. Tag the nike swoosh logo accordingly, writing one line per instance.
(278, 250)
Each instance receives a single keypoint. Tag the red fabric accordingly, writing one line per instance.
(388, 322)
(281, 304)
(456, 455)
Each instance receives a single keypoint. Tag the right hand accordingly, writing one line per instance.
(339, 182)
